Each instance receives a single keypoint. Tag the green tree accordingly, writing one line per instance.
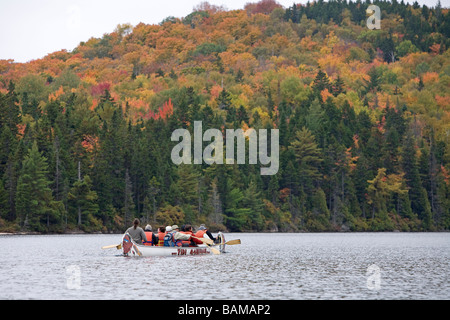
(3, 201)
(318, 218)
(83, 200)
(9, 111)
(419, 200)
(338, 86)
(236, 213)
(308, 156)
(321, 82)
(34, 197)
(252, 200)
(373, 84)
(380, 191)
(406, 47)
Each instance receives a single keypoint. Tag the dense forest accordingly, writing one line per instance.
(363, 117)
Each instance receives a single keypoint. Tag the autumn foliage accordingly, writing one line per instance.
(364, 120)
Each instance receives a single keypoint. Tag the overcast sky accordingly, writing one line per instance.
(30, 29)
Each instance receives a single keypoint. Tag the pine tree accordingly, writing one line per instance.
(252, 201)
(34, 197)
(9, 110)
(3, 201)
(373, 84)
(338, 86)
(321, 82)
(224, 100)
(236, 213)
(128, 202)
(83, 200)
(320, 215)
(308, 156)
(419, 200)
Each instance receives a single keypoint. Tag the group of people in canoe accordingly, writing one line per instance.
(170, 236)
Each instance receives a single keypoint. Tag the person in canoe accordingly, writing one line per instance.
(175, 238)
(137, 233)
(192, 242)
(152, 240)
(161, 234)
(203, 232)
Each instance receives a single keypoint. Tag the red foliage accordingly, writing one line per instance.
(100, 89)
(164, 112)
(264, 7)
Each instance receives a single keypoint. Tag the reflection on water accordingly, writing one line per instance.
(265, 266)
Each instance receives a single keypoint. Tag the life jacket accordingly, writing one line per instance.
(169, 240)
(185, 242)
(161, 236)
(200, 233)
(149, 236)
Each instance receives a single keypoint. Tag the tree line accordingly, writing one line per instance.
(357, 153)
(74, 167)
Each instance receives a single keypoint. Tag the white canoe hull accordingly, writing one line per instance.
(135, 250)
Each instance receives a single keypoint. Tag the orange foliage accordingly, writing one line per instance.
(89, 143)
(325, 94)
(54, 96)
(435, 48)
(215, 91)
(430, 77)
(94, 104)
(356, 141)
(443, 102)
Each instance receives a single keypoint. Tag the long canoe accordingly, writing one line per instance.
(132, 249)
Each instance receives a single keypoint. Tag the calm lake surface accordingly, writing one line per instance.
(265, 266)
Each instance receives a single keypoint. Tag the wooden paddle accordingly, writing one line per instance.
(209, 243)
(204, 240)
(118, 246)
(214, 250)
(233, 242)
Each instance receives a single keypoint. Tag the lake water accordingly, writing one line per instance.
(265, 266)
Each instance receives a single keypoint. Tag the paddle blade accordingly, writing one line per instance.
(214, 250)
(233, 242)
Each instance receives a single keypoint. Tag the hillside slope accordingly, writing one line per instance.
(364, 120)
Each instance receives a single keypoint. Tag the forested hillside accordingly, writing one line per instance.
(363, 116)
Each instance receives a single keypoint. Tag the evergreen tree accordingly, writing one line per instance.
(3, 201)
(9, 111)
(321, 82)
(253, 202)
(308, 156)
(34, 197)
(236, 214)
(83, 201)
(338, 86)
(417, 193)
(373, 84)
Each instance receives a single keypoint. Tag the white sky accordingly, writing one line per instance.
(30, 29)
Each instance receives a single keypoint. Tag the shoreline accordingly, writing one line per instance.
(120, 233)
